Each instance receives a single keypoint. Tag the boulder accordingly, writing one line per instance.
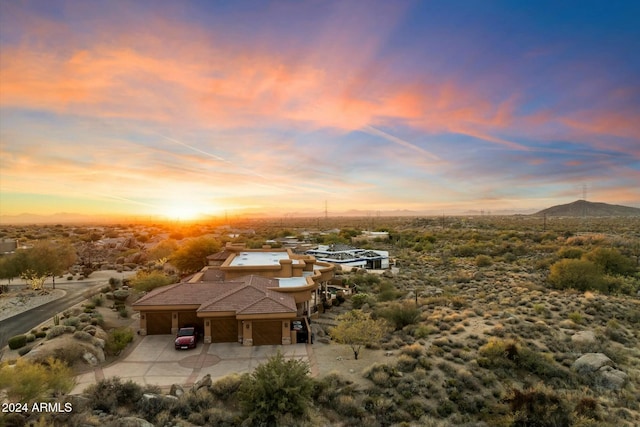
(90, 358)
(600, 368)
(176, 390)
(612, 379)
(204, 382)
(583, 338)
(591, 362)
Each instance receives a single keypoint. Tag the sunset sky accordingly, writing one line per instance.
(179, 108)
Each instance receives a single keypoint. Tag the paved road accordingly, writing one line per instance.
(27, 320)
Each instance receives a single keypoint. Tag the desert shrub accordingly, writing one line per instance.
(576, 317)
(114, 282)
(40, 334)
(387, 292)
(69, 354)
(358, 300)
(577, 274)
(17, 342)
(226, 387)
(110, 394)
(149, 406)
(497, 351)
(31, 337)
(570, 252)
(117, 340)
(147, 281)
(406, 363)
(83, 336)
(121, 295)
(56, 331)
(276, 388)
(414, 350)
(483, 261)
(466, 251)
(423, 331)
(611, 261)
(538, 406)
(626, 285)
(123, 312)
(72, 321)
(36, 381)
(401, 314)
(24, 350)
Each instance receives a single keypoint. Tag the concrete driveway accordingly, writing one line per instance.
(154, 361)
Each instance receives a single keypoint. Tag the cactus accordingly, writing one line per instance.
(56, 320)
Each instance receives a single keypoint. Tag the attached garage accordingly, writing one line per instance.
(158, 323)
(224, 329)
(190, 318)
(267, 332)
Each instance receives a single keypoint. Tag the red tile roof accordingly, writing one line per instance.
(244, 295)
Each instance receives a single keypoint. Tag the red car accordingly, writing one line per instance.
(186, 338)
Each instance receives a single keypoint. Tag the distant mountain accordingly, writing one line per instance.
(57, 218)
(584, 208)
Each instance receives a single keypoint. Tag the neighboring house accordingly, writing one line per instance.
(247, 296)
(348, 256)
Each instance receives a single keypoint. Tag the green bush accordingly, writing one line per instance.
(226, 387)
(401, 314)
(570, 252)
(24, 350)
(111, 394)
(538, 406)
(121, 295)
(611, 261)
(358, 300)
(117, 340)
(275, 389)
(36, 381)
(123, 312)
(147, 281)
(483, 261)
(83, 336)
(17, 342)
(578, 274)
(387, 292)
(40, 334)
(72, 321)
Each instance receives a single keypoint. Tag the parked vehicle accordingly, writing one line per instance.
(186, 338)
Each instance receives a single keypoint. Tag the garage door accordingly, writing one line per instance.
(158, 323)
(190, 318)
(267, 332)
(224, 329)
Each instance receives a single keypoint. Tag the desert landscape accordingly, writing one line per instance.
(487, 324)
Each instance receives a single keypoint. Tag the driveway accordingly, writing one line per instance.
(154, 361)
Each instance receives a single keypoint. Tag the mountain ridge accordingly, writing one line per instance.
(581, 208)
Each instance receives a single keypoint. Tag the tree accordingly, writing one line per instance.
(192, 256)
(42, 260)
(356, 328)
(276, 389)
(163, 249)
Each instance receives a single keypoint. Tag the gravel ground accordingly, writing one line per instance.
(17, 302)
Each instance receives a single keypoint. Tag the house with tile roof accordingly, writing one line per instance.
(252, 297)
